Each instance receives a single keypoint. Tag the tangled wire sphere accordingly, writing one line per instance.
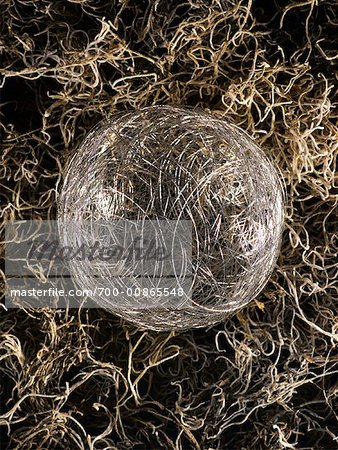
(169, 163)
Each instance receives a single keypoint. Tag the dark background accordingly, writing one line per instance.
(267, 377)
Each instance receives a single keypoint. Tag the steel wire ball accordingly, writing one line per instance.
(174, 163)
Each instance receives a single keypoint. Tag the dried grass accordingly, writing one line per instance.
(267, 377)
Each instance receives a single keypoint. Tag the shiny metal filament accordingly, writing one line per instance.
(173, 163)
